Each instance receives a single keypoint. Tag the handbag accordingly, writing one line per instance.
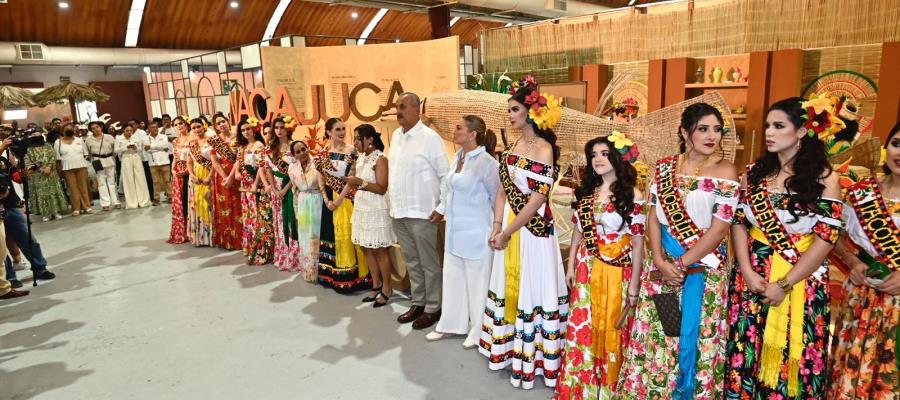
(97, 164)
(668, 308)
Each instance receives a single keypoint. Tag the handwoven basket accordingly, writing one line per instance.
(656, 133)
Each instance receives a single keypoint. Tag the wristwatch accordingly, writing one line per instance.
(784, 285)
(363, 185)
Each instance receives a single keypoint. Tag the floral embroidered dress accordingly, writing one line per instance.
(528, 301)
(864, 353)
(780, 352)
(226, 200)
(593, 352)
(287, 250)
(200, 209)
(342, 265)
(257, 235)
(658, 366)
(372, 224)
(46, 194)
(178, 233)
(308, 209)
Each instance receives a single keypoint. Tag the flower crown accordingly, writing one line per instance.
(543, 109)
(289, 123)
(822, 115)
(254, 124)
(624, 146)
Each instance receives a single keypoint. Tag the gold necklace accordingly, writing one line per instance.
(530, 142)
(688, 181)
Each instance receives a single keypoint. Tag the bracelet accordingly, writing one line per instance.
(679, 264)
(784, 285)
(363, 185)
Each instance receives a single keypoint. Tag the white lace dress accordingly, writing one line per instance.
(372, 224)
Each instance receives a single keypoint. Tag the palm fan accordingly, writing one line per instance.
(71, 92)
(11, 96)
(853, 85)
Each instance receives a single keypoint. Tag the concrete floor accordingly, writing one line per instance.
(131, 317)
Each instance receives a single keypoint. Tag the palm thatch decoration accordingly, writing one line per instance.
(71, 92)
(11, 96)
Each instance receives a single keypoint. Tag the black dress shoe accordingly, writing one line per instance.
(15, 283)
(45, 275)
(378, 304)
(414, 313)
(426, 320)
(369, 299)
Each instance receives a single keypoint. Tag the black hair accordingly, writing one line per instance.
(55, 119)
(92, 123)
(291, 146)
(157, 120)
(197, 120)
(691, 117)
(894, 131)
(809, 165)
(275, 146)
(241, 140)
(622, 189)
(329, 125)
(368, 131)
(166, 116)
(546, 134)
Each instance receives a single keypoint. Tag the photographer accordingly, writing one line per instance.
(16, 224)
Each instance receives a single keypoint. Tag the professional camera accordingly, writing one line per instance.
(19, 145)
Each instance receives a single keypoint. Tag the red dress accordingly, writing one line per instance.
(178, 233)
(226, 200)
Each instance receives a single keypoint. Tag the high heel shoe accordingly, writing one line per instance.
(377, 303)
(369, 299)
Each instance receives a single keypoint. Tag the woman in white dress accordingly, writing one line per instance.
(372, 227)
(130, 147)
(527, 299)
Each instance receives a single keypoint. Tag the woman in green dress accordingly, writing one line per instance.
(45, 192)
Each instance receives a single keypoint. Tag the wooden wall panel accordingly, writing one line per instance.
(887, 111)
(656, 78)
(786, 74)
(679, 72)
(126, 100)
(305, 18)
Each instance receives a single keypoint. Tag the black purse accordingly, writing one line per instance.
(668, 306)
(97, 164)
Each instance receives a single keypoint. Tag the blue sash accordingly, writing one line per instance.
(691, 305)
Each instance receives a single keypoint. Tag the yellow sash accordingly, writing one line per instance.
(200, 192)
(512, 259)
(789, 312)
(606, 307)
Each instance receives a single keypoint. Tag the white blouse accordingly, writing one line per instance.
(609, 223)
(707, 197)
(855, 230)
(73, 155)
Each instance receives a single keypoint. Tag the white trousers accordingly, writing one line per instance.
(106, 185)
(134, 182)
(464, 294)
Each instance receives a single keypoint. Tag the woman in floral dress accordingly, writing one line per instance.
(182, 154)
(46, 195)
(200, 209)
(257, 237)
(307, 187)
(278, 160)
(778, 302)
(864, 362)
(607, 241)
(342, 265)
(692, 206)
(226, 197)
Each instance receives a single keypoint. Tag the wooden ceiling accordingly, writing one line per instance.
(90, 23)
(213, 24)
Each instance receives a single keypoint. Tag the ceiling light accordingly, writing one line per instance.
(133, 28)
(354, 14)
(508, 24)
(275, 20)
(63, 4)
(371, 27)
(397, 41)
(234, 4)
(454, 21)
(631, 3)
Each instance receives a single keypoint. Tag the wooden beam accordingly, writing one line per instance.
(887, 109)
(656, 78)
(679, 72)
(786, 75)
(757, 103)
(440, 21)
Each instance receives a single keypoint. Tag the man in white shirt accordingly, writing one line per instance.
(159, 163)
(145, 155)
(417, 165)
